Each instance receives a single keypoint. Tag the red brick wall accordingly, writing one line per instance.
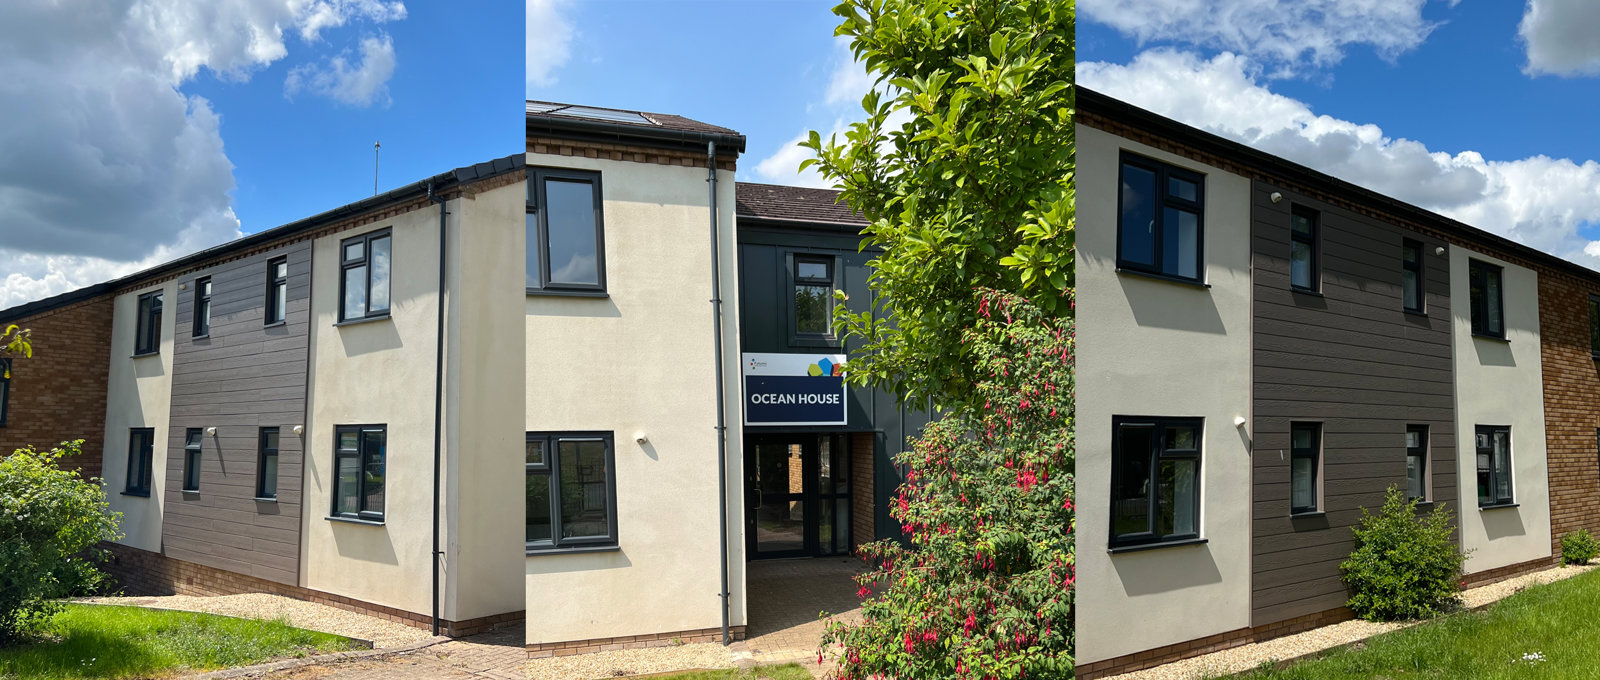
(1571, 405)
(863, 452)
(60, 393)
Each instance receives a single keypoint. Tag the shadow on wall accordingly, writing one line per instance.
(579, 307)
(1502, 523)
(365, 543)
(366, 338)
(557, 563)
(1494, 352)
(148, 367)
(1158, 304)
(1161, 571)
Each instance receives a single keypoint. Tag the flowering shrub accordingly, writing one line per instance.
(1404, 566)
(1578, 547)
(984, 590)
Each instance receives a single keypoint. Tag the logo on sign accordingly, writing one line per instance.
(794, 389)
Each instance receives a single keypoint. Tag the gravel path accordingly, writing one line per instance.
(630, 662)
(1246, 657)
(308, 615)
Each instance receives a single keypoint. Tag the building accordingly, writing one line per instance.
(1264, 350)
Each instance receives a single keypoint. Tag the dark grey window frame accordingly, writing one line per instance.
(1158, 453)
(1594, 326)
(5, 391)
(1496, 501)
(277, 310)
(200, 324)
(193, 446)
(1313, 245)
(535, 198)
(263, 452)
(1315, 454)
(1478, 280)
(147, 326)
(365, 261)
(1163, 172)
(1420, 452)
(140, 461)
(1420, 269)
(363, 513)
(831, 281)
(551, 467)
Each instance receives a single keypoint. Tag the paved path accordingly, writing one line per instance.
(499, 655)
(786, 597)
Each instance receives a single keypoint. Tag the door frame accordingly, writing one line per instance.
(810, 495)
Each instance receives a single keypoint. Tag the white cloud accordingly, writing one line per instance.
(1539, 201)
(314, 16)
(848, 82)
(782, 167)
(549, 41)
(360, 84)
(1285, 35)
(1560, 37)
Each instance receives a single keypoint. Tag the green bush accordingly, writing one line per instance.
(1404, 566)
(50, 521)
(1578, 547)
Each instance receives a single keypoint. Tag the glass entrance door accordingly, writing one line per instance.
(797, 489)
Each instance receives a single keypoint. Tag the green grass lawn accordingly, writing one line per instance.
(787, 671)
(97, 641)
(1559, 622)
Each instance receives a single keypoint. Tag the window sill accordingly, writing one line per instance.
(1306, 291)
(1117, 550)
(362, 320)
(276, 324)
(189, 492)
(206, 336)
(1424, 505)
(352, 520)
(1498, 506)
(259, 499)
(141, 355)
(1307, 514)
(530, 552)
(137, 494)
(1416, 312)
(1486, 336)
(1196, 283)
(544, 292)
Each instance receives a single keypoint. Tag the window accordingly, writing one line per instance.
(202, 307)
(267, 463)
(1305, 454)
(1494, 465)
(5, 389)
(1159, 227)
(813, 296)
(358, 471)
(566, 233)
(1412, 288)
(147, 334)
(141, 448)
(1304, 272)
(364, 276)
(277, 290)
(1417, 462)
(1488, 307)
(1594, 326)
(191, 458)
(572, 490)
(1155, 480)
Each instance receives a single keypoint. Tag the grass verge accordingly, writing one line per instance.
(99, 641)
(786, 671)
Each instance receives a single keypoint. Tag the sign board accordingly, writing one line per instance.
(794, 389)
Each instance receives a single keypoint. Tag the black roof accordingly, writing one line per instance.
(777, 203)
(600, 124)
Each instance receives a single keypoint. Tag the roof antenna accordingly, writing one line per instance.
(375, 147)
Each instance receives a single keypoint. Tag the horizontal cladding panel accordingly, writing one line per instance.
(1296, 343)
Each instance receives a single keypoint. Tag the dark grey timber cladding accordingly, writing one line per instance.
(243, 377)
(1353, 360)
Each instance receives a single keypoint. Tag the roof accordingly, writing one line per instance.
(418, 189)
(778, 203)
(598, 123)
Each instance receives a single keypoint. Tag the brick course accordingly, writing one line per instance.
(544, 650)
(626, 152)
(60, 393)
(1571, 405)
(863, 514)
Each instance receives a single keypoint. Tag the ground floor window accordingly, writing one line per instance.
(1494, 465)
(191, 458)
(1155, 479)
(358, 471)
(267, 459)
(1305, 461)
(1417, 462)
(141, 449)
(571, 490)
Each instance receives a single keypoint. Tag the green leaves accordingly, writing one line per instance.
(14, 342)
(1403, 566)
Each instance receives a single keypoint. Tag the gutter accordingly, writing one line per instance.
(438, 404)
(606, 131)
(722, 414)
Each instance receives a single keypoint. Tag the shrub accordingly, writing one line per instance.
(1578, 547)
(50, 521)
(984, 590)
(1404, 566)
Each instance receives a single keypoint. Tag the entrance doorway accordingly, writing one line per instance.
(797, 495)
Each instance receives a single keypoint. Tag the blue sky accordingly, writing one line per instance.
(1480, 111)
(142, 130)
(770, 69)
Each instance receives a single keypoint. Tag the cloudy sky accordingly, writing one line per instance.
(137, 131)
(770, 69)
(1482, 111)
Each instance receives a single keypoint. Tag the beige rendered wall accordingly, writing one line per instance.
(1152, 348)
(1499, 382)
(641, 362)
(138, 394)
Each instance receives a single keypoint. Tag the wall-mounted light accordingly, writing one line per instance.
(1276, 197)
(1238, 421)
(211, 431)
(1438, 250)
(639, 438)
(299, 430)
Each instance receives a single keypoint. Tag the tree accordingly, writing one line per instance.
(963, 167)
(985, 589)
(14, 342)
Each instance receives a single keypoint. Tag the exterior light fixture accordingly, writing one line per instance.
(1238, 421)
(1276, 197)
(1438, 250)
(299, 429)
(639, 438)
(211, 431)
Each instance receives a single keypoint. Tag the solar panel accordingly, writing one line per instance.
(543, 107)
(603, 114)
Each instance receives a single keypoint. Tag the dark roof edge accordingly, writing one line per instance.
(795, 221)
(441, 181)
(1121, 111)
(605, 131)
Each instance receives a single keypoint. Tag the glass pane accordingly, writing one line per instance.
(1302, 438)
(1182, 188)
(813, 308)
(1180, 247)
(538, 507)
(1492, 285)
(841, 469)
(825, 469)
(1413, 439)
(355, 292)
(380, 274)
(354, 250)
(1131, 497)
(1300, 264)
(1594, 326)
(1137, 222)
(584, 497)
(1502, 464)
(1302, 492)
(1408, 289)
(1412, 251)
(1301, 224)
(281, 270)
(205, 289)
(779, 513)
(570, 220)
(531, 273)
(269, 476)
(841, 537)
(536, 452)
(155, 304)
(1484, 496)
(810, 270)
(348, 491)
(349, 440)
(372, 457)
(825, 526)
(1414, 476)
(269, 439)
(1177, 498)
(1181, 438)
(192, 438)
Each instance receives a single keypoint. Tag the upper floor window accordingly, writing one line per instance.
(1488, 304)
(572, 490)
(1305, 461)
(277, 290)
(1304, 272)
(1417, 462)
(191, 458)
(1155, 480)
(566, 232)
(1161, 219)
(1494, 465)
(813, 295)
(147, 332)
(358, 471)
(202, 307)
(364, 276)
(1412, 288)
(5, 390)
(141, 450)
(1594, 326)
